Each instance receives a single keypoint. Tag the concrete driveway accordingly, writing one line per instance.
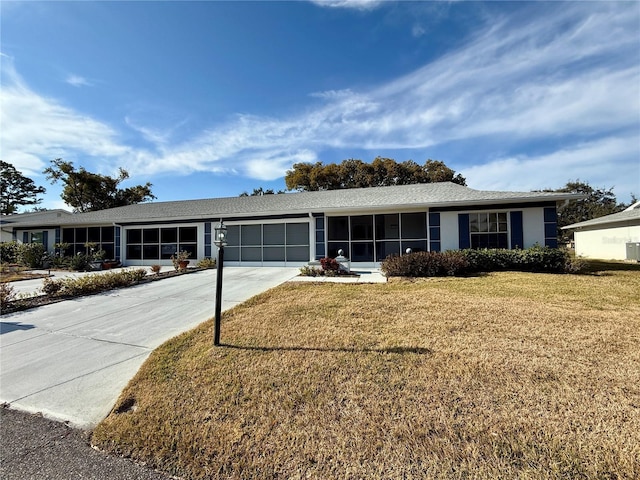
(70, 360)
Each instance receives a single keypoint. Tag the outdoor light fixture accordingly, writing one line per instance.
(220, 239)
(221, 235)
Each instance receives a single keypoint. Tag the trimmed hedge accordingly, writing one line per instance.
(94, 283)
(463, 262)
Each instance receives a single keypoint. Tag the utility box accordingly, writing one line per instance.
(633, 251)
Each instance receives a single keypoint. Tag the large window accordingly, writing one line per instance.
(160, 243)
(88, 239)
(488, 230)
(277, 242)
(369, 238)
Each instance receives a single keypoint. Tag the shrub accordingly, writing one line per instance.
(206, 263)
(80, 262)
(179, 258)
(51, 287)
(9, 252)
(460, 262)
(31, 254)
(426, 264)
(544, 259)
(97, 282)
(575, 266)
(6, 294)
(330, 265)
(309, 271)
(155, 268)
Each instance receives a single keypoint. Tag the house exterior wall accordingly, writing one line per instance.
(46, 235)
(606, 243)
(533, 227)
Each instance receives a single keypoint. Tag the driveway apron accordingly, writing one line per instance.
(70, 360)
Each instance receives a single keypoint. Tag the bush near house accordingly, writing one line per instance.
(98, 282)
(9, 252)
(31, 255)
(463, 262)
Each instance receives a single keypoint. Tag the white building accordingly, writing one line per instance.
(368, 224)
(606, 238)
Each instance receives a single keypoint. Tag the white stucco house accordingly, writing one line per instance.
(606, 238)
(292, 229)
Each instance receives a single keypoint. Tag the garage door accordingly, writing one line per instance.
(269, 242)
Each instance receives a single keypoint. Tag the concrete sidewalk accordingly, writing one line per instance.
(70, 360)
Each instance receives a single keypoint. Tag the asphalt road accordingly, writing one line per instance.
(33, 448)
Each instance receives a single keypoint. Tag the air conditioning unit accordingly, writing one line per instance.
(633, 251)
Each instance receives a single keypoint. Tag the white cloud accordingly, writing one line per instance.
(571, 78)
(602, 159)
(36, 129)
(352, 4)
(418, 31)
(77, 81)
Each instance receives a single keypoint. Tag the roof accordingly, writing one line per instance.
(629, 216)
(44, 217)
(375, 198)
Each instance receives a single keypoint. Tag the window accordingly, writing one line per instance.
(369, 238)
(161, 243)
(269, 242)
(79, 239)
(488, 230)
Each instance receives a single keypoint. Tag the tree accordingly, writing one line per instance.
(89, 192)
(16, 189)
(596, 203)
(259, 192)
(354, 173)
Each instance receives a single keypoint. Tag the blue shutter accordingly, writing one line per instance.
(517, 230)
(207, 239)
(464, 240)
(45, 240)
(434, 231)
(25, 237)
(550, 227)
(118, 253)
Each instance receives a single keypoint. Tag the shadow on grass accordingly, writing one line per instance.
(597, 266)
(397, 350)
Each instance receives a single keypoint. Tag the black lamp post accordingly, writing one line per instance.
(220, 239)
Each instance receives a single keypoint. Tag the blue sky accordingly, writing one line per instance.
(210, 99)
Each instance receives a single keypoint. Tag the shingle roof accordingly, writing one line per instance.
(45, 217)
(429, 195)
(631, 215)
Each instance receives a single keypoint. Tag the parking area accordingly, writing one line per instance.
(70, 360)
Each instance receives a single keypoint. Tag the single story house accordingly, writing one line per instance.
(292, 229)
(606, 238)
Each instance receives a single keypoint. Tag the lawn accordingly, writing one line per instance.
(508, 375)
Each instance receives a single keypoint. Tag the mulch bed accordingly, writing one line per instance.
(40, 300)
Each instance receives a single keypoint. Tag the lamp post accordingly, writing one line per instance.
(220, 239)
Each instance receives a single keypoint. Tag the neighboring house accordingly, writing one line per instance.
(606, 237)
(35, 227)
(368, 224)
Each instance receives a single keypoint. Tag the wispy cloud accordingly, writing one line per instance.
(567, 81)
(352, 4)
(36, 129)
(77, 81)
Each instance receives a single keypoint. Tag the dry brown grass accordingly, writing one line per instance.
(510, 375)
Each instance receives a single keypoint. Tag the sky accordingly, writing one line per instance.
(211, 99)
